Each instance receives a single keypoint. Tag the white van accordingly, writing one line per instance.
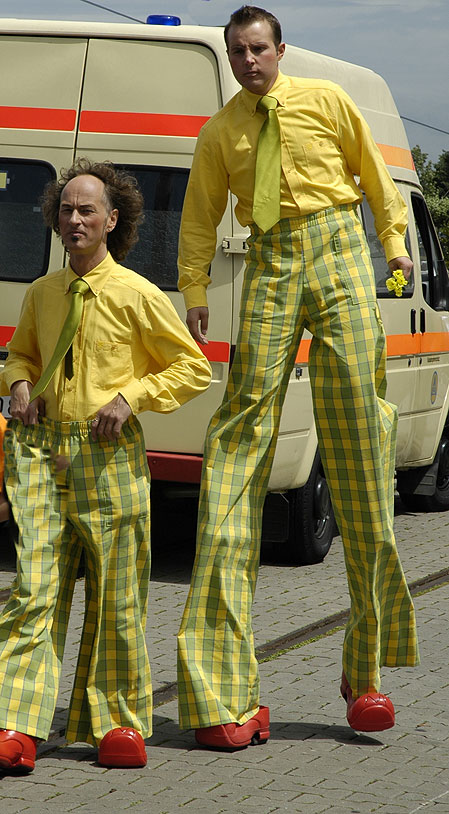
(138, 96)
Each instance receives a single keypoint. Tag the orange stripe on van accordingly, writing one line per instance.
(302, 357)
(397, 156)
(37, 118)
(403, 344)
(435, 342)
(397, 345)
(149, 124)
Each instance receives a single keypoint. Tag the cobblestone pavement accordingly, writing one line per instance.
(313, 761)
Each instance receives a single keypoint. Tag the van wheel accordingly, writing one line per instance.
(439, 501)
(312, 524)
(415, 503)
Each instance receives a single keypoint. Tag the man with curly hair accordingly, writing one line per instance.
(77, 475)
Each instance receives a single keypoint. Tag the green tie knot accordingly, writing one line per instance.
(79, 286)
(267, 103)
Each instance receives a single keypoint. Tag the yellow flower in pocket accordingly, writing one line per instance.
(396, 282)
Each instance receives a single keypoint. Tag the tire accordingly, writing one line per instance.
(8, 539)
(439, 501)
(312, 525)
(415, 503)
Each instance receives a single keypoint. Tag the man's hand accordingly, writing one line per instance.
(198, 315)
(20, 406)
(403, 263)
(110, 419)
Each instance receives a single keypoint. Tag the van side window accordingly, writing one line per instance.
(156, 253)
(25, 240)
(434, 276)
(380, 265)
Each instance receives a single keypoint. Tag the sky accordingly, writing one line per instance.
(406, 41)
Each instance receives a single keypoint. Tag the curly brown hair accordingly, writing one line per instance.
(121, 192)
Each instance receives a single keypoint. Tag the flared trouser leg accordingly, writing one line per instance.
(99, 504)
(312, 273)
(30, 656)
(356, 428)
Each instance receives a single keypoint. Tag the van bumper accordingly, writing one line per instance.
(175, 467)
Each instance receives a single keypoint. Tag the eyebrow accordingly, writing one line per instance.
(81, 205)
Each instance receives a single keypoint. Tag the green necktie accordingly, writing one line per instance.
(267, 180)
(78, 289)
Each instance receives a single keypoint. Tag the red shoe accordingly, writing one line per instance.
(122, 748)
(372, 712)
(236, 736)
(17, 751)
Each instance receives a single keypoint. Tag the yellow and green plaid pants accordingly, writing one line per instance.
(312, 272)
(99, 505)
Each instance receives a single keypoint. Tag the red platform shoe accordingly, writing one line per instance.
(17, 751)
(122, 748)
(371, 712)
(236, 736)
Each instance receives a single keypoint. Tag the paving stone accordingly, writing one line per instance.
(313, 761)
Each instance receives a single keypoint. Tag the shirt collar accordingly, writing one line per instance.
(279, 91)
(96, 278)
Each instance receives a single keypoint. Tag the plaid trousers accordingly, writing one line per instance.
(312, 272)
(99, 505)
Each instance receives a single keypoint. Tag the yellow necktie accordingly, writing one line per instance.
(78, 289)
(267, 180)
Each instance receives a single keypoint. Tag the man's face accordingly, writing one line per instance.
(84, 216)
(253, 56)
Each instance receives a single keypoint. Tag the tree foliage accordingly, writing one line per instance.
(434, 179)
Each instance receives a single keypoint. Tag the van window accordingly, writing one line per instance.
(24, 238)
(155, 254)
(434, 276)
(380, 265)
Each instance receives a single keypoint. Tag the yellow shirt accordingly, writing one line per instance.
(325, 141)
(130, 340)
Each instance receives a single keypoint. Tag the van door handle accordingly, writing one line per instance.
(413, 321)
(422, 321)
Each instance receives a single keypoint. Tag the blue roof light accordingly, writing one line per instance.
(163, 19)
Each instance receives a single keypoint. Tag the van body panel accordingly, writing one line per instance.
(137, 95)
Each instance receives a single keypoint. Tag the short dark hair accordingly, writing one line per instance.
(245, 15)
(121, 192)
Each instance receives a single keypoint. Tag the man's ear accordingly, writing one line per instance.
(112, 220)
(281, 50)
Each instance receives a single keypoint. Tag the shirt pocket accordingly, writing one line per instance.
(112, 364)
(323, 160)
